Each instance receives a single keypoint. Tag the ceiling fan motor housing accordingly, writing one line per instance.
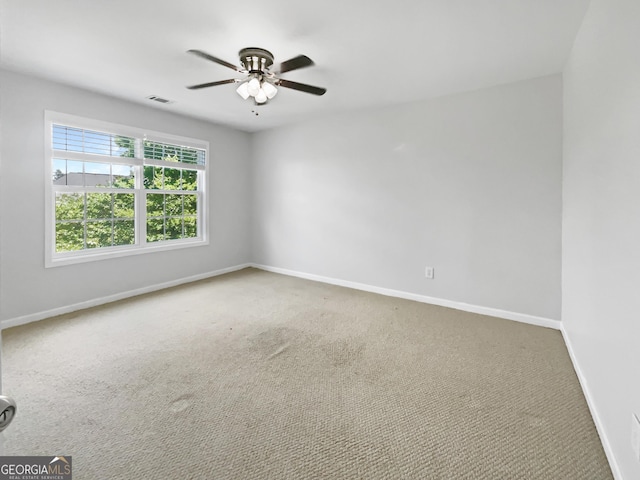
(255, 60)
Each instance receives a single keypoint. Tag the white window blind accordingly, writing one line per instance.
(173, 153)
(72, 139)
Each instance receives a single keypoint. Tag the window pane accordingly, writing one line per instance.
(189, 180)
(190, 227)
(74, 173)
(124, 146)
(123, 232)
(171, 179)
(69, 236)
(173, 205)
(190, 204)
(155, 229)
(97, 174)
(69, 206)
(159, 178)
(122, 176)
(59, 175)
(173, 228)
(152, 178)
(123, 205)
(99, 234)
(155, 205)
(99, 205)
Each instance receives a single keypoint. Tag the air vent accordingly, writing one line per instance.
(159, 99)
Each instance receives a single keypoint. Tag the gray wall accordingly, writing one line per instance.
(601, 218)
(26, 286)
(469, 184)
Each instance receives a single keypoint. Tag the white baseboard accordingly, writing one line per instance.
(492, 312)
(606, 445)
(34, 317)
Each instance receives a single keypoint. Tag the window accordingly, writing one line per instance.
(115, 190)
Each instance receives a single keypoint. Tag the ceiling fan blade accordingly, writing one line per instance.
(213, 84)
(206, 56)
(295, 63)
(303, 87)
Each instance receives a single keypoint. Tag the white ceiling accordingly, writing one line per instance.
(367, 53)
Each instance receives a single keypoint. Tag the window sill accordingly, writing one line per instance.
(116, 252)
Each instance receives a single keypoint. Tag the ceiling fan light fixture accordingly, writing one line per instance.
(261, 97)
(269, 90)
(253, 86)
(243, 90)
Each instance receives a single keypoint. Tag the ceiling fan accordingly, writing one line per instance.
(260, 81)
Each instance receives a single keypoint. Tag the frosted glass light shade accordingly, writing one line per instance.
(261, 97)
(269, 90)
(243, 90)
(253, 87)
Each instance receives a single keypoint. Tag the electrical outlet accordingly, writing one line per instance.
(428, 272)
(635, 436)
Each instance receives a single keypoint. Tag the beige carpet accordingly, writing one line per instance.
(254, 375)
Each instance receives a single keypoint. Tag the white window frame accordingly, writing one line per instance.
(53, 258)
